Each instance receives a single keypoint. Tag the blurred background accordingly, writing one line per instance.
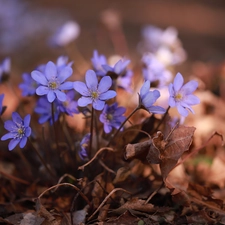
(26, 26)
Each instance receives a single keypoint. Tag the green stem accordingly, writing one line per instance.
(118, 130)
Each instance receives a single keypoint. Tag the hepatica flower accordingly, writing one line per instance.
(28, 86)
(181, 95)
(93, 92)
(147, 98)
(52, 81)
(84, 144)
(1, 107)
(112, 116)
(44, 108)
(19, 130)
(97, 62)
(70, 105)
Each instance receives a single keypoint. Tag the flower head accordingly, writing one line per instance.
(112, 116)
(28, 86)
(181, 95)
(44, 108)
(93, 92)
(2, 108)
(118, 69)
(97, 62)
(70, 105)
(5, 67)
(147, 98)
(52, 81)
(84, 144)
(19, 130)
(155, 71)
(67, 33)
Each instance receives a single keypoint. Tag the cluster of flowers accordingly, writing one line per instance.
(57, 95)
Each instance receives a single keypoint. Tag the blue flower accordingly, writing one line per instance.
(181, 95)
(118, 69)
(155, 71)
(70, 105)
(28, 86)
(19, 130)
(97, 62)
(5, 68)
(1, 107)
(84, 144)
(92, 92)
(52, 81)
(112, 116)
(44, 108)
(147, 98)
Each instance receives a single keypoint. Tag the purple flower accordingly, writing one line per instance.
(92, 92)
(62, 61)
(19, 130)
(5, 67)
(2, 109)
(112, 116)
(44, 108)
(147, 98)
(52, 81)
(97, 62)
(70, 105)
(28, 86)
(118, 69)
(181, 95)
(155, 71)
(84, 144)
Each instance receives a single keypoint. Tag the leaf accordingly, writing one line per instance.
(178, 142)
(167, 152)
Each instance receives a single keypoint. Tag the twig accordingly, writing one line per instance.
(133, 150)
(153, 193)
(10, 177)
(106, 167)
(97, 153)
(66, 184)
(106, 198)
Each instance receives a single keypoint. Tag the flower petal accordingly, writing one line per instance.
(172, 102)
(182, 111)
(10, 125)
(28, 132)
(27, 120)
(104, 84)
(150, 98)
(107, 128)
(156, 109)
(23, 142)
(91, 80)
(107, 95)
(191, 100)
(84, 101)
(189, 87)
(145, 88)
(60, 95)
(50, 71)
(13, 143)
(39, 77)
(64, 73)
(81, 88)
(42, 90)
(66, 86)
(51, 96)
(178, 82)
(7, 136)
(98, 105)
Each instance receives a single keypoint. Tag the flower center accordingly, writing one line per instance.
(109, 117)
(178, 97)
(53, 85)
(94, 95)
(20, 132)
